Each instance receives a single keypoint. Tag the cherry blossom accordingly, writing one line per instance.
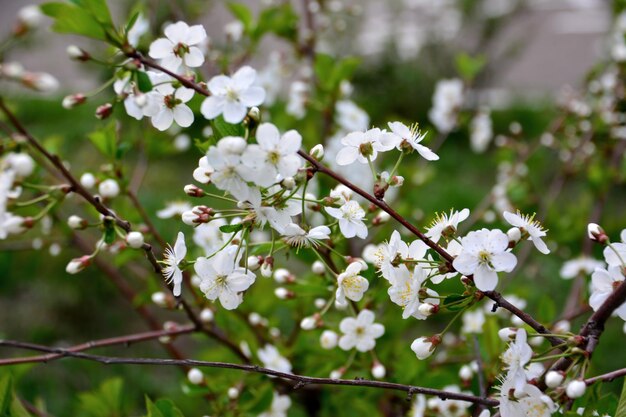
(528, 226)
(272, 359)
(179, 46)
(167, 103)
(406, 290)
(484, 254)
(232, 96)
(360, 332)
(603, 283)
(173, 257)
(446, 225)
(364, 146)
(297, 237)
(274, 156)
(223, 278)
(413, 137)
(516, 357)
(350, 284)
(350, 216)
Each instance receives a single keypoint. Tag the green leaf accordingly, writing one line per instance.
(221, 128)
(231, 228)
(106, 401)
(244, 14)
(6, 393)
(72, 19)
(162, 408)
(109, 233)
(261, 400)
(105, 140)
(98, 9)
(454, 302)
(17, 409)
(323, 68)
(621, 406)
(468, 67)
(143, 82)
(280, 20)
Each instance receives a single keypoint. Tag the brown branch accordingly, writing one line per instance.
(608, 377)
(120, 340)
(300, 380)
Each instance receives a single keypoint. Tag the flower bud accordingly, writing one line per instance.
(140, 100)
(193, 190)
(289, 183)
(195, 376)
(255, 319)
(308, 323)
(337, 373)
(597, 233)
(78, 54)
(423, 347)
(41, 81)
(466, 373)
(562, 326)
(378, 370)
(427, 309)
(76, 223)
(104, 111)
(87, 180)
(109, 188)
(576, 388)
(507, 334)
(282, 275)
(159, 298)
(233, 393)
(319, 303)
(317, 152)
(254, 263)
(381, 218)
(78, 264)
(514, 234)
(267, 269)
(206, 315)
(21, 163)
(554, 379)
(197, 215)
(318, 268)
(328, 339)
(283, 293)
(135, 240)
(73, 100)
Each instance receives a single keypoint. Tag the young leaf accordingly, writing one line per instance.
(143, 82)
(244, 14)
(221, 128)
(468, 67)
(105, 140)
(621, 406)
(72, 19)
(231, 228)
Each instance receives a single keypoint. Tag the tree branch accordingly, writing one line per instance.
(299, 379)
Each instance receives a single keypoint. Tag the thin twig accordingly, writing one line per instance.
(299, 379)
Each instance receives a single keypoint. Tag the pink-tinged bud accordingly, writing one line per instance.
(104, 111)
(396, 181)
(73, 100)
(597, 233)
(198, 215)
(78, 264)
(78, 54)
(423, 347)
(193, 190)
(428, 309)
(76, 222)
(283, 293)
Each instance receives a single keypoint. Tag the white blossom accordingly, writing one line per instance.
(413, 136)
(603, 283)
(232, 96)
(406, 291)
(580, 265)
(274, 156)
(223, 278)
(272, 359)
(168, 104)
(350, 216)
(364, 146)
(473, 321)
(360, 332)
(350, 284)
(528, 225)
(446, 225)
(516, 357)
(173, 257)
(484, 254)
(279, 407)
(447, 100)
(297, 237)
(351, 117)
(179, 47)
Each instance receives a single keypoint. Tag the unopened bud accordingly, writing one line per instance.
(328, 339)
(576, 389)
(308, 323)
(197, 215)
(206, 315)
(507, 334)
(427, 309)
(195, 376)
(317, 152)
(466, 373)
(233, 393)
(597, 233)
(193, 190)
(288, 183)
(78, 264)
(76, 222)
(378, 370)
(514, 234)
(135, 239)
(76, 53)
(283, 293)
(318, 268)
(104, 111)
(73, 100)
(554, 379)
(282, 275)
(88, 180)
(254, 263)
(159, 298)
